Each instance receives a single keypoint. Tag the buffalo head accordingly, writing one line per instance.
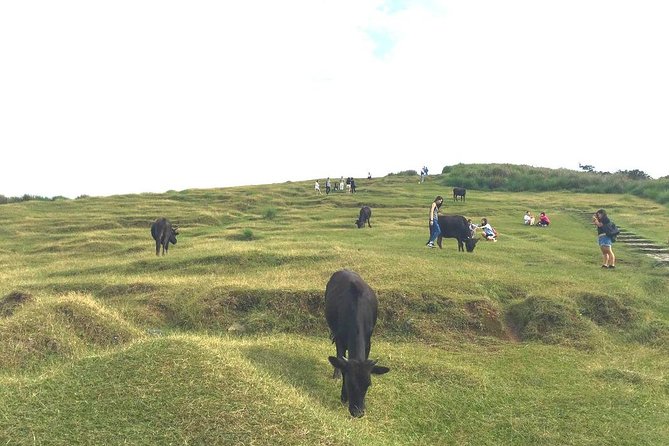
(357, 376)
(470, 244)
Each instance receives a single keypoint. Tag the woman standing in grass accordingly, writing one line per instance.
(435, 230)
(601, 220)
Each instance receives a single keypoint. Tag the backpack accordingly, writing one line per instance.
(612, 231)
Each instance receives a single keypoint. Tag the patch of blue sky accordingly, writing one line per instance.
(383, 42)
(395, 6)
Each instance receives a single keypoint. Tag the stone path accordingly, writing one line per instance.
(658, 252)
(648, 247)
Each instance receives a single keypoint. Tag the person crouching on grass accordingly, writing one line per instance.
(489, 233)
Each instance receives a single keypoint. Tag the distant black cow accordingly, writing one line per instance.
(456, 226)
(350, 310)
(164, 233)
(459, 192)
(365, 215)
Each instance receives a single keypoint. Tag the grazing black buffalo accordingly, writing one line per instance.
(350, 310)
(365, 215)
(164, 233)
(459, 192)
(456, 226)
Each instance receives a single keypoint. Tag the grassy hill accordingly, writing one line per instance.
(223, 341)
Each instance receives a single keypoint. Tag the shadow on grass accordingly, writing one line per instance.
(298, 370)
(246, 260)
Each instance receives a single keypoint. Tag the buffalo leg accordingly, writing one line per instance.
(341, 353)
(344, 393)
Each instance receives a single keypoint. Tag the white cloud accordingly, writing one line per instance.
(149, 96)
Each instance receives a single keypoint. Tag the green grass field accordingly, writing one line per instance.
(526, 341)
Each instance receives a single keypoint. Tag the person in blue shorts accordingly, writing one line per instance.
(600, 219)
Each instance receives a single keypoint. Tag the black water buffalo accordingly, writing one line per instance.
(457, 227)
(164, 233)
(365, 215)
(459, 192)
(350, 311)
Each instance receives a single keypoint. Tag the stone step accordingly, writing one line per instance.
(655, 250)
(660, 253)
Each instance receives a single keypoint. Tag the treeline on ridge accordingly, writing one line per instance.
(521, 178)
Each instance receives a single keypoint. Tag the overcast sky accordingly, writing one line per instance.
(110, 97)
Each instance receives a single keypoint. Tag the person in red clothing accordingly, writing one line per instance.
(543, 220)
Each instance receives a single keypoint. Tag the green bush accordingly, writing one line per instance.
(405, 173)
(270, 213)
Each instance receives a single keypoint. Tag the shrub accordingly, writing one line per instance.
(405, 173)
(270, 213)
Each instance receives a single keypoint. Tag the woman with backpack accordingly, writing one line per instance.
(601, 220)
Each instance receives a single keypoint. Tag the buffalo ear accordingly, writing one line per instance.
(338, 363)
(380, 370)
(377, 369)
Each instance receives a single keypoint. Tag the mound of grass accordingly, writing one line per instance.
(436, 318)
(654, 333)
(257, 310)
(549, 321)
(60, 328)
(173, 390)
(606, 310)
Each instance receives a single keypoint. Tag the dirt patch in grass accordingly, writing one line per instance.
(486, 318)
(14, 300)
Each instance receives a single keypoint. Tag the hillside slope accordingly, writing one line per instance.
(223, 340)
